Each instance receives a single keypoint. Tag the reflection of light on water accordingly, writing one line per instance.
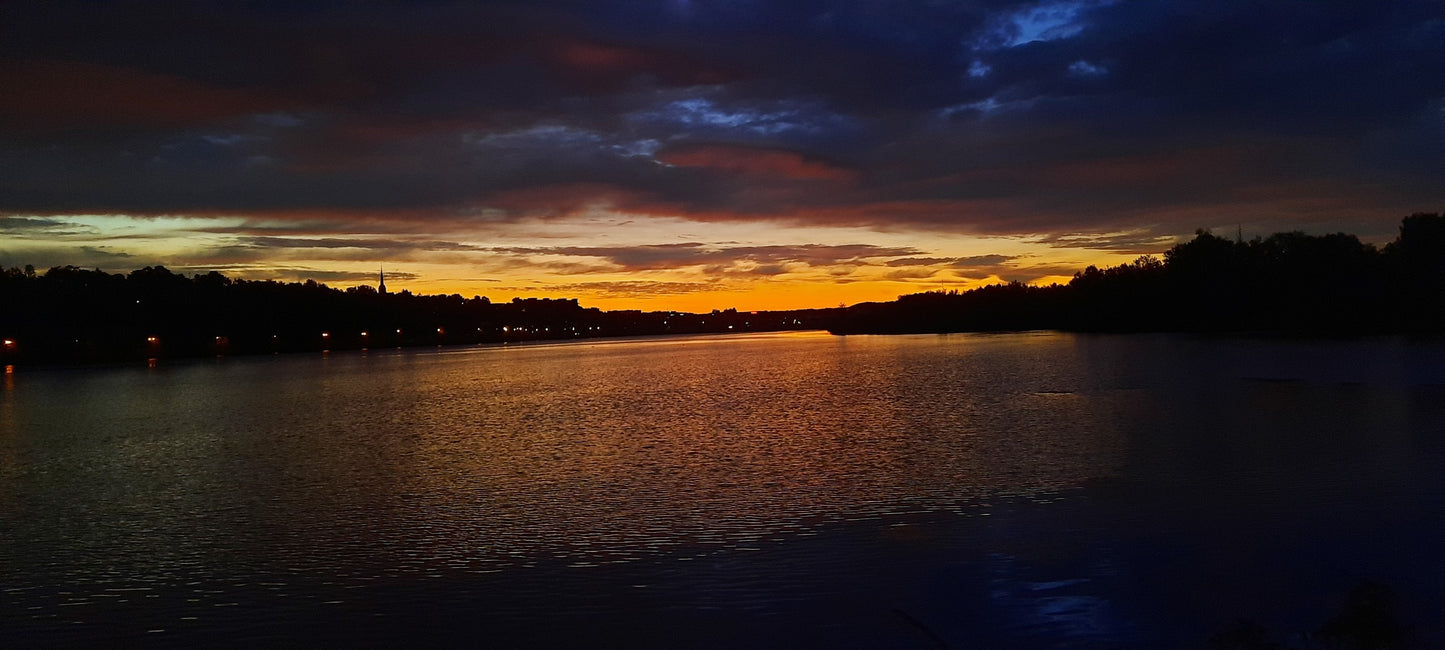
(9, 377)
(152, 362)
(732, 465)
(1050, 606)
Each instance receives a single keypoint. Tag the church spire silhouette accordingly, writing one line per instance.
(381, 280)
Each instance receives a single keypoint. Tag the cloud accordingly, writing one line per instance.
(365, 244)
(920, 261)
(962, 263)
(320, 275)
(1002, 117)
(601, 67)
(983, 260)
(103, 257)
(262, 271)
(718, 257)
(1009, 268)
(756, 163)
(1142, 242)
(24, 225)
(913, 273)
(626, 288)
(1034, 23)
(47, 95)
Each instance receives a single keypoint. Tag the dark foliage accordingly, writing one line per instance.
(1366, 622)
(74, 315)
(1287, 283)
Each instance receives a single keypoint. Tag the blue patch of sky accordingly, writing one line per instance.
(1045, 21)
(985, 107)
(637, 148)
(542, 136)
(786, 117)
(1083, 68)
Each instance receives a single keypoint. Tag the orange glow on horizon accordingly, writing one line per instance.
(760, 296)
(642, 262)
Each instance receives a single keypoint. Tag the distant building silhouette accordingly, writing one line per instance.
(381, 281)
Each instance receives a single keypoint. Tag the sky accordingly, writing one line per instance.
(691, 155)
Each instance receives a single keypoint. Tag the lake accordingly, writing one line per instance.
(970, 490)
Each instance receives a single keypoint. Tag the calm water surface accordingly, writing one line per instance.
(1033, 490)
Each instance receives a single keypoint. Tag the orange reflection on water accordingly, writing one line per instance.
(607, 451)
(9, 377)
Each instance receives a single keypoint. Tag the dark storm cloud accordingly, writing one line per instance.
(1088, 117)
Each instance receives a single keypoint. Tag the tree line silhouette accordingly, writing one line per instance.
(67, 314)
(1289, 283)
(1286, 283)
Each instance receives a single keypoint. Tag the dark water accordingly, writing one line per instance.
(1024, 490)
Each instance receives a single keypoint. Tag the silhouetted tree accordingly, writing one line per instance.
(1367, 620)
(1288, 282)
(72, 314)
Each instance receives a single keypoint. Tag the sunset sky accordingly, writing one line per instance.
(700, 155)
